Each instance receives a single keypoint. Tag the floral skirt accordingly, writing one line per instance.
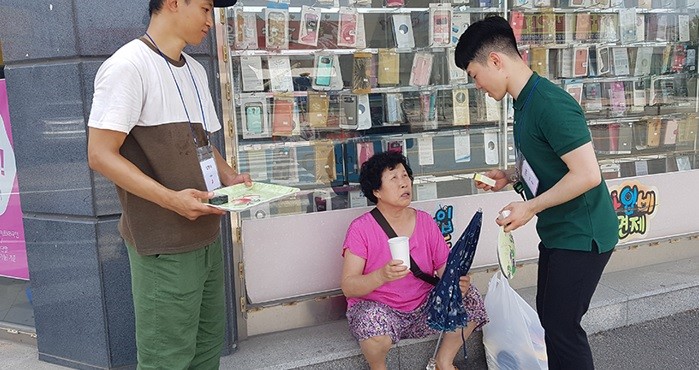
(372, 319)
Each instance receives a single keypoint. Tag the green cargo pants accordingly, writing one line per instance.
(180, 308)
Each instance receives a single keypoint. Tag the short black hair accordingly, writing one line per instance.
(492, 33)
(372, 169)
(154, 6)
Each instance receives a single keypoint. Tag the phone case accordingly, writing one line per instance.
(245, 25)
(459, 23)
(361, 73)
(389, 67)
(396, 146)
(490, 144)
(251, 73)
(347, 27)
(363, 112)
(324, 161)
(348, 113)
(670, 132)
(517, 24)
(440, 25)
(253, 115)
(603, 60)
(318, 103)
(654, 130)
(323, 70)
(582, 26)
(421, 69)
(460, 107)
(403, 31)
(575, 90)
(365, 150)
(280, 78)
(593, 97)
(640, 99)
(580, 62)
(617, 97)
(621, 61)
(254, 118)
(277, 35)
(394, 110)
(643, 60)
(310, 24)
(282, 116)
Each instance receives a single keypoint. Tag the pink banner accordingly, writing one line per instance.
(13, 250)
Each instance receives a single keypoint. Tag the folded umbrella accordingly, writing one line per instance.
(445, 307)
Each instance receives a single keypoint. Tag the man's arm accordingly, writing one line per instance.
(583, 175)
(226, 174)
(104, 157)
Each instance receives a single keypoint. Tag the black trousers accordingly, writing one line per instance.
(566, 281)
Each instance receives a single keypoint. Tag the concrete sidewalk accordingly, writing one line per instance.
(623, 298)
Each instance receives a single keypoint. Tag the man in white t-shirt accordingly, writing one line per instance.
(149, 127)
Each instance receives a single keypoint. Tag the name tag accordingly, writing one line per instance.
(208, 167)
(529, 177)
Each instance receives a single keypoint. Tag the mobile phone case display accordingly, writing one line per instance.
(632, 66)
(317, 89)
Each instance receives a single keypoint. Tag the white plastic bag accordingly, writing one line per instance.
(514, 337)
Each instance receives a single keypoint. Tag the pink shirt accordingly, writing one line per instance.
(366, 239)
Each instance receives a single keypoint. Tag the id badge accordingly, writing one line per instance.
(529, 177)
(205, 154)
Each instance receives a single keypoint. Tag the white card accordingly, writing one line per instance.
(683, 25)
(425, 151)
(251, 73)
(462, 148)
(426, 191)
(357, 199)
(280, 74)
(529, 177)
(641, 167)
(208, 169)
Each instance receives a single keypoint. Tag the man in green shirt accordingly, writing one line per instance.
(558, 171)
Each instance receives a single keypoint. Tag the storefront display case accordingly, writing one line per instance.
(312, 89)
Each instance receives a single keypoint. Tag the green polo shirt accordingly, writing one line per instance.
(549, 125)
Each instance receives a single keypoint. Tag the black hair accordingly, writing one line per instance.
(492, 33)
(372, 169)
(154, 6)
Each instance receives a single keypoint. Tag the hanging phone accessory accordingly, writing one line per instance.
(310, 25)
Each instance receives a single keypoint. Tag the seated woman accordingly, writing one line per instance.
(386, 302)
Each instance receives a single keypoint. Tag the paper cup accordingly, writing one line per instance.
(400, 249)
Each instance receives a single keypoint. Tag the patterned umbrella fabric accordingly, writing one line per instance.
(445, 308)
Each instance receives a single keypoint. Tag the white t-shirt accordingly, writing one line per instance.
(135, 87)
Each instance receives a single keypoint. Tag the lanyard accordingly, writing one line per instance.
(518, 186)
(201, 107)
(518, 128)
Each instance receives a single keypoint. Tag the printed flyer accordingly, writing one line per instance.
(241, 197)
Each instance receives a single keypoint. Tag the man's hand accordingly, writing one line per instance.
(191, 204)
(520, 214)
(500, 177)
(242, 178)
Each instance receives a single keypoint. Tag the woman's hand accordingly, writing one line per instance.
(393, 270)
(464, 284)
